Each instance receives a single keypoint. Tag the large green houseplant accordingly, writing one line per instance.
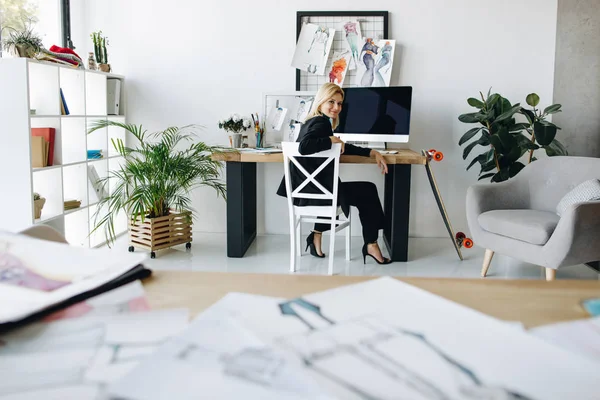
(505, 140)
(156, 176)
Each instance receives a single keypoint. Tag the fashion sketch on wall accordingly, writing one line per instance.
(353, 38)
(301, 108)
(312, 49)
(375, 63)
(276, 118)
(339, 67)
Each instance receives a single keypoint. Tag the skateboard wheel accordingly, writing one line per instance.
(468, 243)
(438, 156)
(460, 235)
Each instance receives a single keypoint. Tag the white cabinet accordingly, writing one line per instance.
(27, 85)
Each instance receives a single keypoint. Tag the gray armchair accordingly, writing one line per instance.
(518, 217)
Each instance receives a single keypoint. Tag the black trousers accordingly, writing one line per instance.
(363, 196)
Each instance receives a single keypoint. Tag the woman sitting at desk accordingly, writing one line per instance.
(316, 135)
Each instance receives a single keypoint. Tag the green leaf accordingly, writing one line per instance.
(514, 154)
(467, 136)
(508, 114)
(491, 100)
(501, 175)
(526, 142)
(533, 99)
(488, 166)
(555, 148)
(473, 102)
(473, 162)
(515, 168)
(552, 109)
(484, 140)
(507, 140)
(544, 134)
(518, 127)
(529, 114)
(470, 118)
(468, 149)
(485, 176)
(495, 140)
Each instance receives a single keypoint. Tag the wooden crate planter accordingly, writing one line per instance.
(161, 232)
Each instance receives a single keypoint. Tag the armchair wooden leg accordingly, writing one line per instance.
(487, 259)
(550, 274)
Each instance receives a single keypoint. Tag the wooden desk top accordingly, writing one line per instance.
(404, 156)
(532, 302)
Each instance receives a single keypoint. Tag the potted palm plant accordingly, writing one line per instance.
(153, 185)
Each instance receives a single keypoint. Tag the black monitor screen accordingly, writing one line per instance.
(380, 110)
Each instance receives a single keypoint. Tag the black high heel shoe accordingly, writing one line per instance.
(366, 253)
(310, 242)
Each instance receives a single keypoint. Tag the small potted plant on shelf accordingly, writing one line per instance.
(153, 185)
(100, 43)
(235, 125)
(38, 205)
(23, 42)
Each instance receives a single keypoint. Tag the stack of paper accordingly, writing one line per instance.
(381, 339)
(38, 276)
(77, 352)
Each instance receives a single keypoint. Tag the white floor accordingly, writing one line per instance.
(270, 254)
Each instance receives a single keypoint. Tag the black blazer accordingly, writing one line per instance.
(314, 137)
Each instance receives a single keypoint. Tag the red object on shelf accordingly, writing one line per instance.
(48, 134)
(63, 50)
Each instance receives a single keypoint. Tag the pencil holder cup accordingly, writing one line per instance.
(260, 140)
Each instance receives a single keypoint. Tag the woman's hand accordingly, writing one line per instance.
(380, 161)
(335, 139)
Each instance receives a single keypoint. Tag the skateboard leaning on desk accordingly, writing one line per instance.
(459, 239)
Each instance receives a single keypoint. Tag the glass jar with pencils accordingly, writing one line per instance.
(259, 130)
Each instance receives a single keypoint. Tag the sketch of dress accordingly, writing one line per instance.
(386, 54)
(369, 49)
(320, 38)
(385, 351)
(14, 272)
(352, 38)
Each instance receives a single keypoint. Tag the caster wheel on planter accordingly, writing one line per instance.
(152, 255)
(188, 246)
(131, 249)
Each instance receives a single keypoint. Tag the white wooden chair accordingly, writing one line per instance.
(327, 214)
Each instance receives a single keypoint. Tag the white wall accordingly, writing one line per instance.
(196, 62)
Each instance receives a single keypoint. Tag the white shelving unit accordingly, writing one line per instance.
(28, 84)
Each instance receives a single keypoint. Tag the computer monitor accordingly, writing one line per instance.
(379, 114)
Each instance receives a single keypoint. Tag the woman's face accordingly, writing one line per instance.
(333, 106)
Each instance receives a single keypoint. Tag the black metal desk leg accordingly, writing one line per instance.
(396, 207)
(241, 207)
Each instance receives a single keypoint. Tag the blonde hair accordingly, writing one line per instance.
(326, 92)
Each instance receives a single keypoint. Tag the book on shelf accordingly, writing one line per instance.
(40, 277)
(71, 204)
(39, 152)
(94, 154)
(49, 135)
(63, 104)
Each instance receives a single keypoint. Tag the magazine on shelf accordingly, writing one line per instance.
(38, 277)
